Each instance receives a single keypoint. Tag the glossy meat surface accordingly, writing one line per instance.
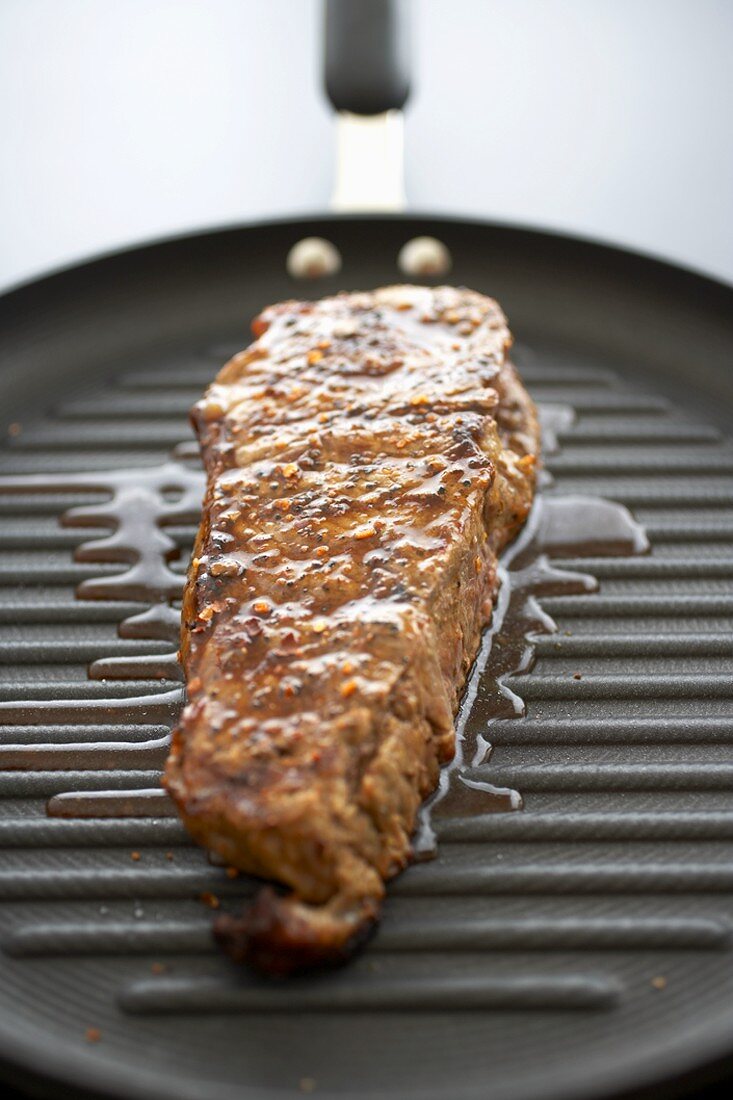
(367, 459)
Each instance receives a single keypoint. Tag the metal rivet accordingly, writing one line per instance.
(424, 256)
(313, 258)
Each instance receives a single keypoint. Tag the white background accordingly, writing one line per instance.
(126, 119)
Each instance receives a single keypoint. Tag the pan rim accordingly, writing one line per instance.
(622, 253)
(53, 1066)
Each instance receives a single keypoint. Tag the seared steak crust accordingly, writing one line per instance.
(367, 458)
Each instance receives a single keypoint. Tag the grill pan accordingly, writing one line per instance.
(578, 948)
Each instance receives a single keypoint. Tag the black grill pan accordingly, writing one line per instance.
(578, 948)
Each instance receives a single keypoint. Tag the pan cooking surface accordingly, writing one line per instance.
(578, 946)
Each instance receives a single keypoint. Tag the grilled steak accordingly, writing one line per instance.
(367, 457)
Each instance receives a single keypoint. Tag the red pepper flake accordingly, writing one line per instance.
(194, 685)
(92, 1034)
(225, 568)
(366, 531)
(347, 667)
(210, 899)
(211, 410)
(262, 607)
(436, 465)
(259, 326)
(135, 856)
(323, 551)
(282, 504)
(348, 688)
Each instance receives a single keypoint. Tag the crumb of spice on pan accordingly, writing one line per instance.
(307, 1084)
(210, 899)
(135, 856)
(15, 428)
(232, 872)
(92, 1034)
(158, 968)
(169, 855)
(577, 675)
(659, 982)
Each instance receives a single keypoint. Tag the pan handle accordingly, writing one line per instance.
(367, 68)
(367, 79)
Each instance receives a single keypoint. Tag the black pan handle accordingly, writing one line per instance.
(367, 57)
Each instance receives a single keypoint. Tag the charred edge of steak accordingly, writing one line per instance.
(282, 935)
